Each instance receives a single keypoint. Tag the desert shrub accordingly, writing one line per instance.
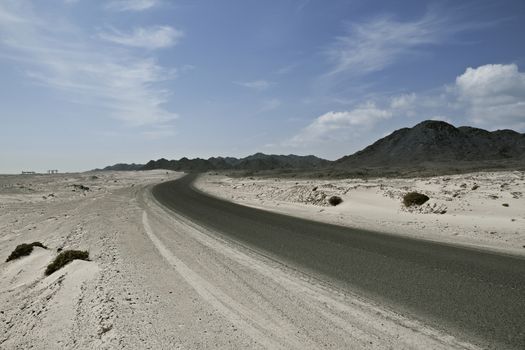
(335, 200)
(20, 251)
(414, 198)
(38, 244)
(475, 187)
(82, 187)
(505, 204)
(23, 250)
(65, 258)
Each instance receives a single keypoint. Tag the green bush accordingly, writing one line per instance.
(414, 198)
(65, 258)
(335, 200)
(23, 250)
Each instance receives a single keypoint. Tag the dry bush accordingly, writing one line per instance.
(335, 200)
(414, 198)
(24, 249)
(65, 258)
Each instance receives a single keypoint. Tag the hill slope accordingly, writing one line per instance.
(438, 142)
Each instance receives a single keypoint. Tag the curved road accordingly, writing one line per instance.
(476, 295)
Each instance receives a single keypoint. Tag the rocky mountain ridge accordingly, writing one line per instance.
(426, 144)
(438, 142)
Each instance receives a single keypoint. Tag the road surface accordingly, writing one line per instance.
(475, 295)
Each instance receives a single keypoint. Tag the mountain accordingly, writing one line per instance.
(438, 142)
(428, 144)
(124, 167)
(261, 161)
(258, 161)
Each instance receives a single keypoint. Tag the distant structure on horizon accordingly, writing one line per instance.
(53, 171)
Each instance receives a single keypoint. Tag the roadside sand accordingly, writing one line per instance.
(74, 307)
(158, 281)
(479, 209)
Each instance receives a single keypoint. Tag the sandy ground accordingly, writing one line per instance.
(158, 281)
(480, 209)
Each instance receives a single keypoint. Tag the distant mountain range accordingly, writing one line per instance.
(124, 167)
(258, 161)
(429, 142)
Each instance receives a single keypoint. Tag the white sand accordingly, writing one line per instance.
(158, 281)
(457, 211)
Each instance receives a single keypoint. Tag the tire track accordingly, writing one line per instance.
(254, 325)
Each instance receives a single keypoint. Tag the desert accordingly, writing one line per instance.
(278, 174)
(483, 209)
(202, 292)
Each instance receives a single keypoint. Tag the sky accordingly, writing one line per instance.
(89, 83)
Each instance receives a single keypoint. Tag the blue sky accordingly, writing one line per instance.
(87, 83)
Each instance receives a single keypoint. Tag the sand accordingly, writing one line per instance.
(484, 210)
(158, 281)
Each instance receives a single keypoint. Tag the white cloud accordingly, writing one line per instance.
(382, 41)
(490, 96)
(149, 38)
(7, 17)
(332, 125)
(259, 85)
(117, 81)
(405, 101)
(132, 5)
(494, 95)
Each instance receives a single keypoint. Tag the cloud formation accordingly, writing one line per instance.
(332, 125)
(132, 5)
(156, 37)
(405, 101)
(494, 95)
(375, 44)
(122, 84)
(490, 96)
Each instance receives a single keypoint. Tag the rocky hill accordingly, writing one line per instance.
(438, 142)
(258, 161)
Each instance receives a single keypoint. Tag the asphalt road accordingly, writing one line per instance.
(476, 295)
